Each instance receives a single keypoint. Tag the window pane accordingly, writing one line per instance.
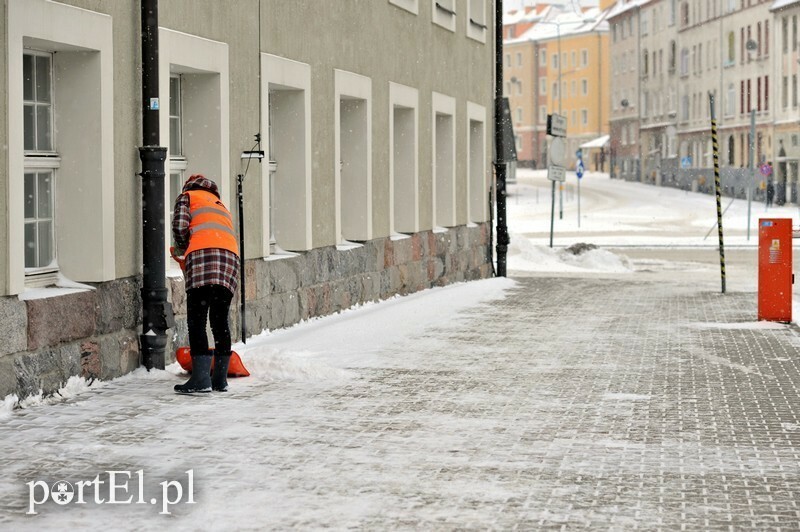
(175, 186)
(42, 79)
(29, 127)
(174, 96)
(44, 141)
(45, 243)
(175, 136)
(30, 245)
(27, 77)
(45, 195)
(30, 195)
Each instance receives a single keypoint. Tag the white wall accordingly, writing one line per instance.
(84, 128)
(403, 159)
(353, 161)
(287, 85)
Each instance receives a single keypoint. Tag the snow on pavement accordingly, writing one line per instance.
(613, 402)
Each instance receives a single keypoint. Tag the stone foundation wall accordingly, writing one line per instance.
(95, 333)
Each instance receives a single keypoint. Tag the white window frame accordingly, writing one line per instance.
(477, 21)
(412, 6)
(477, 178)
(35, 161)
(203, 65)
(444, 184)
(542, 58)
(584, 87)
(84, 107)
(443, 13)
(404, 219)
(584, 57)
(177, 161)
(356, 224)
(293, 222)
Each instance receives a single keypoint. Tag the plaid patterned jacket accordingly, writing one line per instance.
(204, 266)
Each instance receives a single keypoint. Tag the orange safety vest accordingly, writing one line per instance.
(211, 225)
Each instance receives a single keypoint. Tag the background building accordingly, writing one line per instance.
(557, 65)
(377, 135)
(744, 54)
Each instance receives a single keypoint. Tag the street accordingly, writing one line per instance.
(570, 395)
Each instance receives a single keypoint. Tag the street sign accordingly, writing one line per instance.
(557, 151)
(579, 154)
(686, 162)
(556, 173)
(766, 170)
(579, 169)
(557, 125)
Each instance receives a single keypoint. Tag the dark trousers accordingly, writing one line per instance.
(203, 303)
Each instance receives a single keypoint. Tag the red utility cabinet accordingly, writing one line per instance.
(775, 276)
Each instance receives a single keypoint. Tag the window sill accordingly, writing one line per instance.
(61, 287)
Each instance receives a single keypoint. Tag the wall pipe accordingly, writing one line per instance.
(499, 164)
(157, 314)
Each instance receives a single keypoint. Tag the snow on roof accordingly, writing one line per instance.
(599, 142)
(533, 15)
(564, 23)
(623, 6)
(780, 4)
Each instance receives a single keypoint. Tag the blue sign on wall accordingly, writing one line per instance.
(686, 162)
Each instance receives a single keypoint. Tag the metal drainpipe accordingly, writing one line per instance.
(499, 164)
(157, 314)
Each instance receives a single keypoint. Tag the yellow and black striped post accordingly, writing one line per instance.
(718, 189)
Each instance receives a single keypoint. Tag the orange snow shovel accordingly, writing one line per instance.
(235, 368)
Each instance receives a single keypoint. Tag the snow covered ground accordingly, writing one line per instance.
(422, 411)
(621, 213)
(637, 228)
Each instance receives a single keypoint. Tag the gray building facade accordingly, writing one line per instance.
(375, 119)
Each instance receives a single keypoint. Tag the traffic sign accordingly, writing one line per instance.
(557, 125)
(556, 173)
(579, 169)
(579, 154)
(557, 151)
(766, 170)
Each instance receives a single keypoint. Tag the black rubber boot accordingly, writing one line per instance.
(219, 381)
(200, 381)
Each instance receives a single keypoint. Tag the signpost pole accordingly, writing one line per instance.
(752, 168)
(579, 203)
(552, 212)
(556, 127)
(579, 169)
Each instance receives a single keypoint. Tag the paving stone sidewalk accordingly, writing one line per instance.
(607, 403)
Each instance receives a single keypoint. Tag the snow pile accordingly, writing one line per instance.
(74, 386)
(8, 405)
(265, 364)
(269, 365)
(524, 255)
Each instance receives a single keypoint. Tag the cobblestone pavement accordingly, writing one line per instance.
(610, 403)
